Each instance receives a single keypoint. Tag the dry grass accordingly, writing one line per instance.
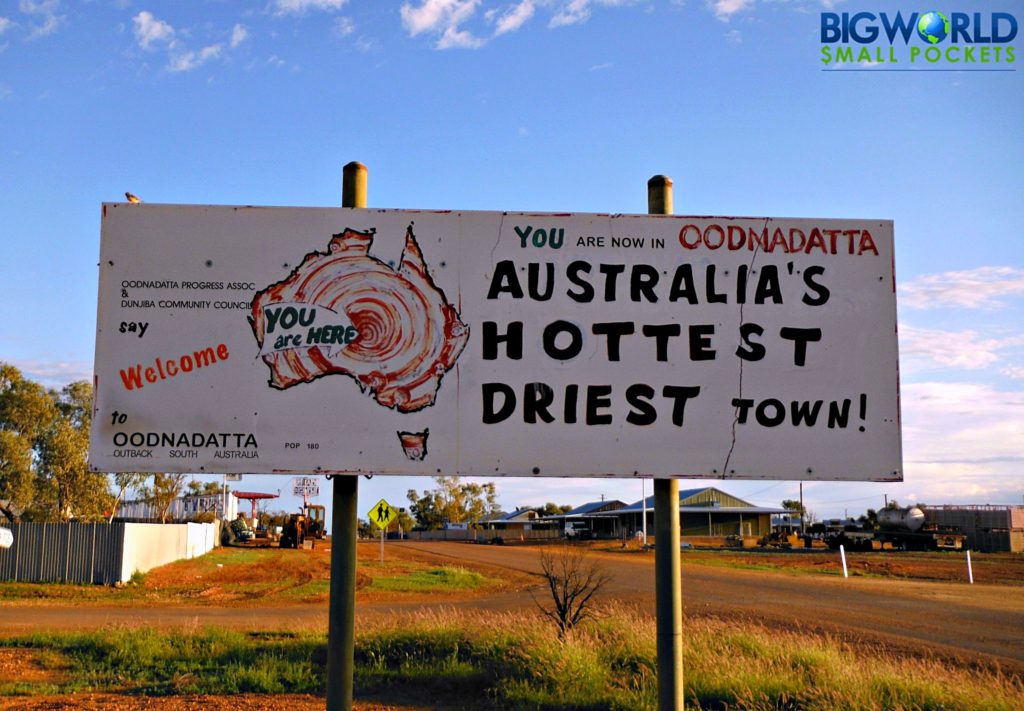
(611, 663)
(515, 660)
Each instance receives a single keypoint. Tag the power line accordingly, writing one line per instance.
(767, 488)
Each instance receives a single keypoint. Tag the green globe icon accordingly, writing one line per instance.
(933, 27)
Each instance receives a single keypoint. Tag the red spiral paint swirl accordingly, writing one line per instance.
(409, 335)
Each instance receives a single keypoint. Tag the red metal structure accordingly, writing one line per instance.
(253, 497)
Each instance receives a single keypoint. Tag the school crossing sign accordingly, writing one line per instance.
(381, 515)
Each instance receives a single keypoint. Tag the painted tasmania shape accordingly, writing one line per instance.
(392, 330)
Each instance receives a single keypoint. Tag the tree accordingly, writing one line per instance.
(44, 442)
(26, 410)
(794, 506)
(869, 519)
(205, 488)
(65, 487)
(573, 579)
(125, 481)
(162, 493)
(16, 483)
(452, 502)
(553, 509)
(405, 521)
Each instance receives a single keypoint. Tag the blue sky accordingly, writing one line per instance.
(560, 105)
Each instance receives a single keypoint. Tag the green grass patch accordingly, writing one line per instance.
(307, 592)
(516, 661)
(236, 556)
(158, 663)
(430, 580)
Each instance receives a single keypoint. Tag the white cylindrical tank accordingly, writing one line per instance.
(908, 519)
(6, 537)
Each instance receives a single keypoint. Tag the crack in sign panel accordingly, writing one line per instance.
(497, 239)
(736, 414)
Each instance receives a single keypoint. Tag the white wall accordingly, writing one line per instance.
(149, 545)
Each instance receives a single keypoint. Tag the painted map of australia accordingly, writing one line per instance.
(345, 312)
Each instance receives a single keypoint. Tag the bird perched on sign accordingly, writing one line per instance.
(132, 198)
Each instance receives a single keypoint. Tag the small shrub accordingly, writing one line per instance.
(572, 579)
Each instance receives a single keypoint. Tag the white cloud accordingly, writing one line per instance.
(725, 9)
(442, 17)
(436, 15)
(601, 67)
(344, 26)
(5, 24)
(980, 288)
(187, 61)
(449, 18)
(454, 38)
(239, 33)
(571, 13)
(275, 61)
(301, 7)
(1014, 372)
(54, 374)
(961, 438)
(366, 44)
(152, 34)
(47, 12)
(922, 348)
(734, 37)
(150, 31)
(515, 17)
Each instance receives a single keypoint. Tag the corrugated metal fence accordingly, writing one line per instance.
(64, 553)
(98, 552)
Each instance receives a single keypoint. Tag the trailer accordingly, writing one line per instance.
(905, 529)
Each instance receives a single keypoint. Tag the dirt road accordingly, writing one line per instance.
(949, 619)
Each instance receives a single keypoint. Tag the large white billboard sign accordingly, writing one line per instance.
(300, 340)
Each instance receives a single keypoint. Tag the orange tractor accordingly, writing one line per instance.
(310, 523)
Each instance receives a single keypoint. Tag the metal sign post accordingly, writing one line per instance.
(342, 605)
(667, 581)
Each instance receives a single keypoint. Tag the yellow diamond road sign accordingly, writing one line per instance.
(382, 514)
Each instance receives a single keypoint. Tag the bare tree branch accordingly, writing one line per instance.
(572, 579)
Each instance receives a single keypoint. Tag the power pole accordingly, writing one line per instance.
(802, 530)
(643, 500)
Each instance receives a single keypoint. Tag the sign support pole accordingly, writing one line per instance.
(667, 581)
(342, 606)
